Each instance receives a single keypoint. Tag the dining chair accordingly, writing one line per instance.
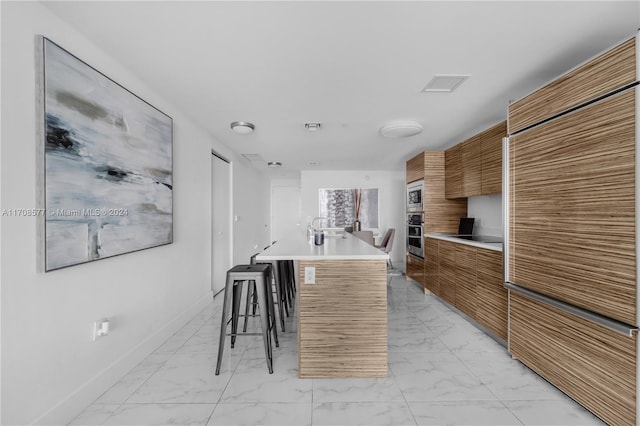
(386, 244)
(366, 236)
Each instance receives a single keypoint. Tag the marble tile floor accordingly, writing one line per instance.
(442, 371)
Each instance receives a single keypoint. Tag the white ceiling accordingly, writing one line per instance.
(353, 66)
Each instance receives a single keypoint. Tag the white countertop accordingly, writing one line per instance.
(489, 246)
(296, 247)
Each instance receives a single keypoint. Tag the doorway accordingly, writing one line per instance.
(221, 231)
(286, 211)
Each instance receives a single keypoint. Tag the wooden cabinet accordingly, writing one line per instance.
(609, 71)
(471, 167)
(572, 203)
(466, 279)
(415, 269)
(491, 310)
(415, 168)
(592, 364)
(491, 147)
(469, 278)
(431, 280)
(453, 172)
(440, 214)
(447, 271)
(474, 167)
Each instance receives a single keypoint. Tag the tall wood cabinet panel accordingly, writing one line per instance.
(609, 71)
(431, 279)
(466, 266)
(415, 168)
(447, 271)
(471, 150)
(592, 364)
(453, 172)
(415, 269)
(572, 208)
(440, 214)
(491, 147)
(492, 297)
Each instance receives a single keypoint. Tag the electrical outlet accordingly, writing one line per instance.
(310, 275)
(100, 328)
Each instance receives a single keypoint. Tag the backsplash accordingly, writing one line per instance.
(487, 210)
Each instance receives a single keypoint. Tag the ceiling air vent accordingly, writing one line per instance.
(253, 157)
(446, 83)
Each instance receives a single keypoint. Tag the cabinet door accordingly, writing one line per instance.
(415, 269)
(471, 167)
(492, 296)
(492, 159)
(466, 265)
(431, 265)
(453, 172)
(447, 271)
(441, 215)
(415, 168)
(592, 364)
(572, 208)
(609, 71)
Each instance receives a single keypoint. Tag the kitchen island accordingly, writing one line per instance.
(342, 305)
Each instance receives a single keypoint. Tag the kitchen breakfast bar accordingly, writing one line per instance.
(342, 305)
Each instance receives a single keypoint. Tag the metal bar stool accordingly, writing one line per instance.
(277, 281)
(288, 283)
(236, 277)
(283, 272)
(252, 298)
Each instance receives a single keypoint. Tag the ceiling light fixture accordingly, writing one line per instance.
(313, 127)
(242, 127)
(274, 164)
(401, 129)
(313, 163)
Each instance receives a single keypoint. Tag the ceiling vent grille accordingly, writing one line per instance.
(253, 157)
(445, 83)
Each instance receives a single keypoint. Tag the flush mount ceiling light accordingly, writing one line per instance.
(446, 83)
(274, 164)
(401, 129)
(242, 127)
(312, 127)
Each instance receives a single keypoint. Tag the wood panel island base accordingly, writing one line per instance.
(342, 313)
(342, 319)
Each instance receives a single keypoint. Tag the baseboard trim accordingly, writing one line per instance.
(68, 408)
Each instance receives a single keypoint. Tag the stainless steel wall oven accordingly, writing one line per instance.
(415, 234)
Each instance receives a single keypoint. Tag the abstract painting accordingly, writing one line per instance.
(108, 171)
(339, 207)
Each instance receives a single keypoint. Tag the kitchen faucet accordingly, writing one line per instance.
(317, 218)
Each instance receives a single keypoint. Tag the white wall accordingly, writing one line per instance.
(488, 213)
(51, 368)
(391, 186)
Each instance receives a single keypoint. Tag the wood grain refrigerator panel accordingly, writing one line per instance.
(592, 364)
(605, 73)
(572, 208)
